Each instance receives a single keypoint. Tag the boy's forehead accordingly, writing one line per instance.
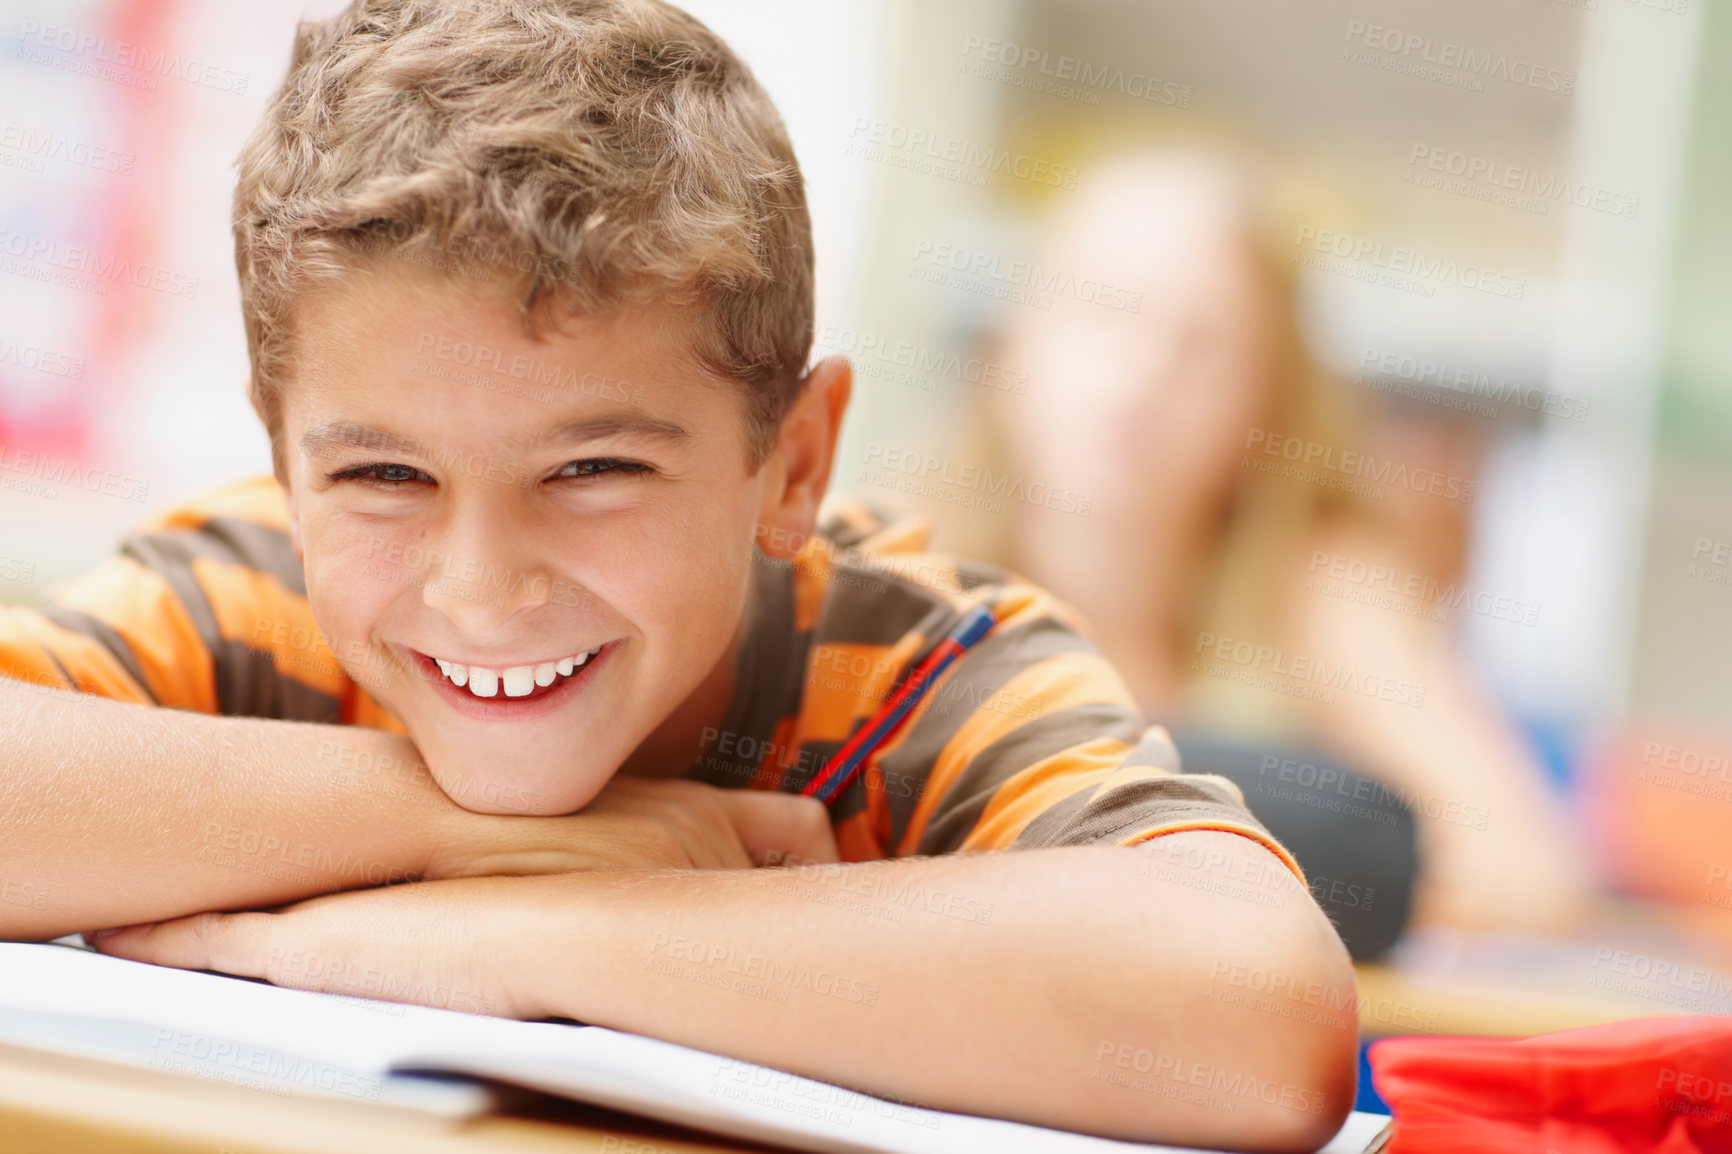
(385, 351)
(399, 306)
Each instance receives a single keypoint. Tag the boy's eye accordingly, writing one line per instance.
(382, 474)
(597, 466)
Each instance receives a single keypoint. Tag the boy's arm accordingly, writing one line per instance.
(1088, 988)
(1097, 988)
(111, 812)
(114, 814)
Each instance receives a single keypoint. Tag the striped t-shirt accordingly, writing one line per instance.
(1029, 739)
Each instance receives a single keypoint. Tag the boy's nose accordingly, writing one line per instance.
(490, 577)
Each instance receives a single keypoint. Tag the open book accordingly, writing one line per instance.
(74, 1001)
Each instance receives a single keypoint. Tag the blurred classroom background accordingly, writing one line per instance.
(1500, 231)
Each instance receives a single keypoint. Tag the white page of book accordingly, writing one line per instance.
(293, 1042)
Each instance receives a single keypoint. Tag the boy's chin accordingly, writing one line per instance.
(560, 790)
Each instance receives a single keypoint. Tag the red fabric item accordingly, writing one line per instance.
(1645, 1086)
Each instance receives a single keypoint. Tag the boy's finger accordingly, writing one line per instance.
(231, 943)
(780, 827)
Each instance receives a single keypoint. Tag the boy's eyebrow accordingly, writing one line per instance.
(320, 437)
(612, 424)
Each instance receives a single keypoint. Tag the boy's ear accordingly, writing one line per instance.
(803, 456)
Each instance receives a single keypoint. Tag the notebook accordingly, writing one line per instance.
(294, 1043)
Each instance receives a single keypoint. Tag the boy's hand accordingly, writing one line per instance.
(638, 823)
(452, 944)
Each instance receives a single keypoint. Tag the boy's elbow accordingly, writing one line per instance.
(1320, 1068)
(1305, 1062)
(1265, 1033)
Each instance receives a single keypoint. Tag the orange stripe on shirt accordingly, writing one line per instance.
(845, 682)
(360, 709)
(172, 655)
(1036, 789)
(253, 608)
(257, 499)
(1261, 839)
(855, 840)
(30, 644)
(812, 572)
(776, 763)
(933, 572)
(874, 695)
(909, 535)
(1044, 687)
(1018, 602)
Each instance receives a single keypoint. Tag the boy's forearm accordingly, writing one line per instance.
(112, 814)
(1093, 989)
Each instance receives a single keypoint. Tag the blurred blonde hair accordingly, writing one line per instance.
(589, 152)
(1273, 520)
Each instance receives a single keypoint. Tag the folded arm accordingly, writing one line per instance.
(114, 814)
(1096, 988)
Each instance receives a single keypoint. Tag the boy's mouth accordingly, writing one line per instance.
(494, 691)
(514, 681)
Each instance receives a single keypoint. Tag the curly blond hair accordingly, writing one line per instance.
(592, 153)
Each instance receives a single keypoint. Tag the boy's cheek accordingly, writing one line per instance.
(348, 608)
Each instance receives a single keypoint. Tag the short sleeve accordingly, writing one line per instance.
(204, 609)
(1042, 745)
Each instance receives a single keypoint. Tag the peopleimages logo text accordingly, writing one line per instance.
(1084, 73)
(954, 150)
(921, 360)
(1486, 65)
(1363, 466)
(59, 471)
(45, 144)
(1469, 383)
(1499, 177)
(990, 268)
(90, 48)
(1300, 668)
(1412, 262)
(973, 478)
(88, 262)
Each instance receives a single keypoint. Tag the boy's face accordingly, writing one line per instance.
(565, 526)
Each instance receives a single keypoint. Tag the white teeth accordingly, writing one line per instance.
(517, 681)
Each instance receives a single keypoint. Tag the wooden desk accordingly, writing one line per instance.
(72, 1106)
(1391, 1002)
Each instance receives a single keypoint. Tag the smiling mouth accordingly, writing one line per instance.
(515, 683)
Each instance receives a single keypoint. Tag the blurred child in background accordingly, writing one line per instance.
(1163, 414)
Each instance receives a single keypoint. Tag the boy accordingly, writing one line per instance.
(528, 295)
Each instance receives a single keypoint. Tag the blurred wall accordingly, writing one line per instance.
(1683, 663)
